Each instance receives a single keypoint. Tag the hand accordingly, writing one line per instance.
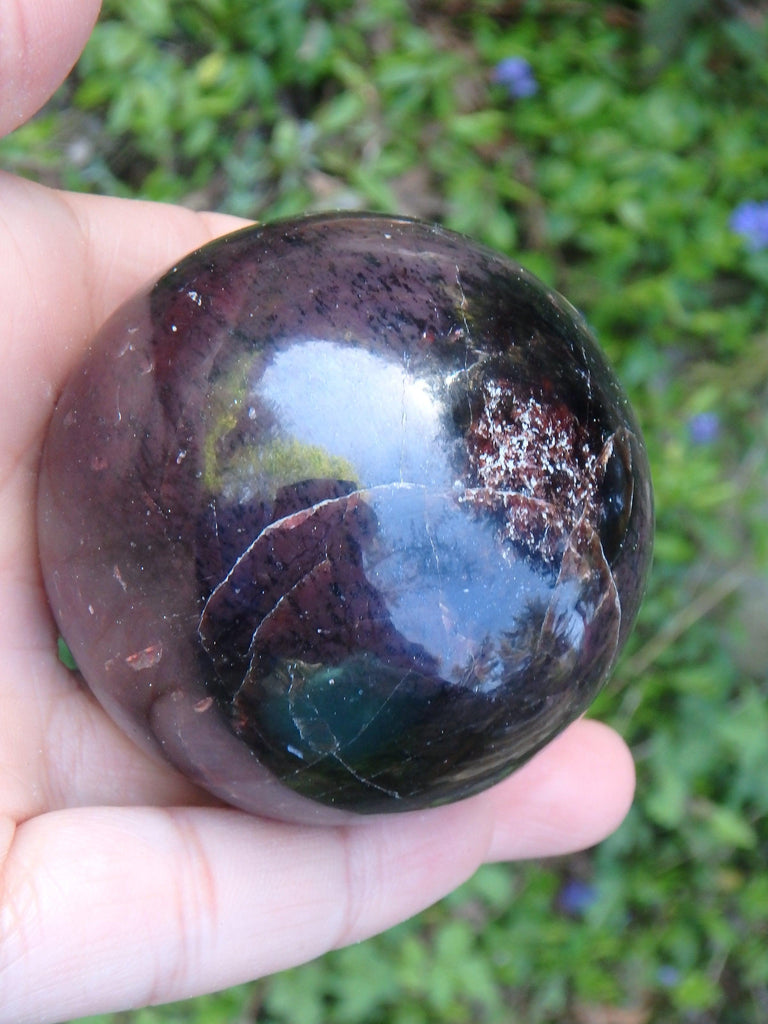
(122, 884)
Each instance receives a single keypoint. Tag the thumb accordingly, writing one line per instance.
(40, 40)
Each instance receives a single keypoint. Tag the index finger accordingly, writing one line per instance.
(40, 40)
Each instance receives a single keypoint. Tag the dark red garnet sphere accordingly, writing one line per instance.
(344, 515)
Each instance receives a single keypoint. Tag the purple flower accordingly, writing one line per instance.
(576, 897)
(750, 220)
(704, 427)
(516, 75)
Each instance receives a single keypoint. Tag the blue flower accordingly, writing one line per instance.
(668, 976)
(576, 897)
(750, 220)
(516, 75)
(704, 427)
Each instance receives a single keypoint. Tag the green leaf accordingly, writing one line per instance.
(65, 655)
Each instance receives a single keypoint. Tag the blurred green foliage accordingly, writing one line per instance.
(615, 182)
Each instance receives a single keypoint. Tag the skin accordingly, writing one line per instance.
(122, 885)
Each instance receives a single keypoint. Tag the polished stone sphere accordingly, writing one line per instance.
(344, 515)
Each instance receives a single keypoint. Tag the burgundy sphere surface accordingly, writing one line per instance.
(344, 515)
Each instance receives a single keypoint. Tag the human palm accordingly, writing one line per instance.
(122, 884)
